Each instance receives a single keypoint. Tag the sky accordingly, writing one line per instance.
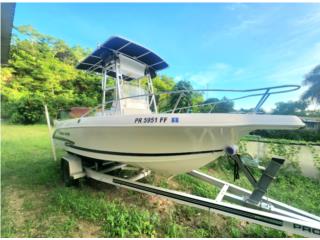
(212, 45)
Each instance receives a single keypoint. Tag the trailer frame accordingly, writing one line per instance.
(232, 200)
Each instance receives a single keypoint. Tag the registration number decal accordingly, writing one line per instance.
(156, 120)
(151, 120)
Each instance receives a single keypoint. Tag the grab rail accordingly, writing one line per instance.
(267, 91)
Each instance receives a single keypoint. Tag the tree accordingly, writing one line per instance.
(290, 108)
(312, 80)
(42, 69)
(163, 84)
(188, 99)
(218, 106)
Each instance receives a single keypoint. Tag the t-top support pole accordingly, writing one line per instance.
(153, 97)
(104, 83)
(118, 83)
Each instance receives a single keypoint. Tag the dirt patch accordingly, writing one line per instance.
(173, 184)
(26, 211)
(86, 230)
(22, 208)
(14, 205)
(141, 200)
(160, 204)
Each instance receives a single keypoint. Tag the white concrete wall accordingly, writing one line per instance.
(305, 158)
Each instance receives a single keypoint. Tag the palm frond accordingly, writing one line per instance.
(312, 80)
(313, 77)
(313, 93)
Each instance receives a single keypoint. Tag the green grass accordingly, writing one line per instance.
(35, 203)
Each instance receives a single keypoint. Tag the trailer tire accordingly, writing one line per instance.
(65, 174)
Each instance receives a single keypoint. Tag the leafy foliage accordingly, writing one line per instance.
(163, 84)
(291, 107)
(41, 71)
(218, 106)
(298, 108)
(28, 110)
(187, 99)
(299, 134)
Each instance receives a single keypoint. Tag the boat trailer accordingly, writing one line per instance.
(231, 201)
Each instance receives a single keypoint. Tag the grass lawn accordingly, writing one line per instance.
(34, 202)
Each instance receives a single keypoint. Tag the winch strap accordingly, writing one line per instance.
(235, 171)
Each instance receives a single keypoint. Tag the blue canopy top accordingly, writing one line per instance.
(106, 52)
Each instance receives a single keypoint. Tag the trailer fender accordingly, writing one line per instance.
(75, 166)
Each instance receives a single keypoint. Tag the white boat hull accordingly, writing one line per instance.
(168, 143)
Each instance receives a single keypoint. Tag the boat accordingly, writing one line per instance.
(124, 139)
(131, 130)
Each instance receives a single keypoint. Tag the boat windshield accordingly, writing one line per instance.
(129, 90)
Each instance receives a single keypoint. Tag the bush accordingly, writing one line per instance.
(299, 135)
(27, 110)
(7, 109)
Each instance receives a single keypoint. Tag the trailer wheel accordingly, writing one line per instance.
(65, 174)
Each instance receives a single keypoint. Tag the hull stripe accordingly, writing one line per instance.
(141, 154)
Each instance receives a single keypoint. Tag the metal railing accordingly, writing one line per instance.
(265, 93)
